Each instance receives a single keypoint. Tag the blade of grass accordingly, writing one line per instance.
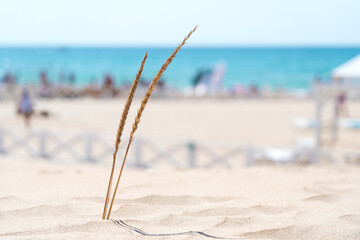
(142, 107)
(120, 130)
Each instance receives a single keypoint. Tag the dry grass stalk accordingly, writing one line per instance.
(120, 130)
(142, 107)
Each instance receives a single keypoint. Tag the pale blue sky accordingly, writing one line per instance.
(158, 22)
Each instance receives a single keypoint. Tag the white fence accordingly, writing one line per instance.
(97, 147)
(144, 152)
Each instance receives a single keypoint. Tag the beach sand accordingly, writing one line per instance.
(258, 121)
(55, 199)
(43, 200)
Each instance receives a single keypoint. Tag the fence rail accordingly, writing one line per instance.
(145, 152)
(97, 147)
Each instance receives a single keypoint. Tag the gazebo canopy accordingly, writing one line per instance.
(348, 70)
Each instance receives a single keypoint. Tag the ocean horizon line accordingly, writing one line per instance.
(95, 46)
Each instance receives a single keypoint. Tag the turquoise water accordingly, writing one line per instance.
(290, 68)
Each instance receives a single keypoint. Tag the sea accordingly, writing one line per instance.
(280, 67)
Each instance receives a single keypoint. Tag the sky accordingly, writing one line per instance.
(164, 23)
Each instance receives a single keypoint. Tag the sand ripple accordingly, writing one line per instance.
(257, 203)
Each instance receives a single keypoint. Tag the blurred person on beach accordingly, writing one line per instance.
(70, 90)
(201, 77)
(25, 106)
(93, 89)
(254, 89)
(8, 81)
(60, 88)
(144, 82)
(340, 104)
(201, 82)
(72, 78)
(161, 84)
(238, 89)
(45, 86)
(109, 86)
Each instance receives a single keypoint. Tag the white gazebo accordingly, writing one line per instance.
(345, 79)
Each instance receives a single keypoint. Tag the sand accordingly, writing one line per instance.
(243, 121)
(43, 200)
(55, 199)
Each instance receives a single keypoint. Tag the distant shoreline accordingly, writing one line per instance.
(275, 67)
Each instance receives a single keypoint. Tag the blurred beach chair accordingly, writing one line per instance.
(349, 123)
(305, 152)
(343, 122)
(304, 123)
